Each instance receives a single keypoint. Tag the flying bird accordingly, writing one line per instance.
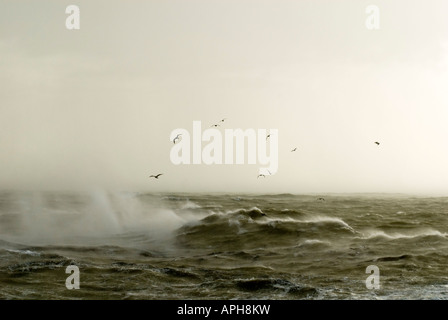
(294, 149)
(320, 199)
(156, 176)
(214, 125)
(261, 175)
(377, 143)
(177, 138)
(222, 120)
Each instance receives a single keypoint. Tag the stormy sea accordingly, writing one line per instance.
(222, 246)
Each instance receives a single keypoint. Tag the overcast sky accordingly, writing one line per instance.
(95, 107)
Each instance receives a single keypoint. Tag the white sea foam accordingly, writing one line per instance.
(371, 234)
(190, 205)
(328, 219)
(96, 214)
(242, 210)
(26, 252)
(312, 242)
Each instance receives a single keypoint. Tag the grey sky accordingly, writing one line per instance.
(94, 107)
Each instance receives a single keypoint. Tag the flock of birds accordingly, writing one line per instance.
(178, 137)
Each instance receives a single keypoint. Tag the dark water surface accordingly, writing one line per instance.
(222, 246)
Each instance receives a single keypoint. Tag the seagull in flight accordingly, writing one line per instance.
(377, 143)
(320, 199)
(214, 125)
(156, 176)
(222, 120)
(264, 175)
(177, 138)
(295, 149)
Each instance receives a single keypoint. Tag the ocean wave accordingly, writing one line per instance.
(179, 273)
(8, 244)
(256, 215)
(252, 226)
(326, 219)
(372, 234)
(288, 287)
(253, 212)
(394, 258)
(312, 242)
(320, 222)
(237, 223)
(173, 198)
(283, 212)
(277, 195)
(24, 252)
(39, 265)
(212, 206)
(191, 205)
